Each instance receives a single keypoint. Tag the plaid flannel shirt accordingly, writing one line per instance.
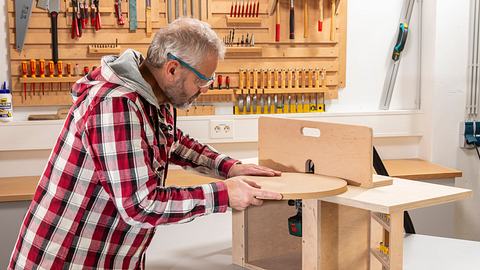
(102, 192)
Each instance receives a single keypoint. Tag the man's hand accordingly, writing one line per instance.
(243, 192)
(251, 169)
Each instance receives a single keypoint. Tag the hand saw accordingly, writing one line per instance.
(23, 12)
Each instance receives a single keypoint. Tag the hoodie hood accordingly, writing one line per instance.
(122, 70)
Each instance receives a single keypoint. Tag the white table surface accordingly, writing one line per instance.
(206, 242)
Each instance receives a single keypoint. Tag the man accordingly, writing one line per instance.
(102, 192)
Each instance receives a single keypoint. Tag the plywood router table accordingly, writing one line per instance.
(342, 231)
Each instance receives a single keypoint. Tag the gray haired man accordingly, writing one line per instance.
(103, 190)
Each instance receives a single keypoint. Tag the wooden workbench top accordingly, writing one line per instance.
(22, 188)
(417, 169)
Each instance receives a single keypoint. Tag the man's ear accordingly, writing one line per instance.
(171, 67)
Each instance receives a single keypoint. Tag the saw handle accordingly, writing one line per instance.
(53, 16)
(292, 20)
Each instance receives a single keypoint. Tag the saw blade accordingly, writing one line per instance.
(23, 12)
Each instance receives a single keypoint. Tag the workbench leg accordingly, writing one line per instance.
(238, 237)
(396, 241)
(311, 234)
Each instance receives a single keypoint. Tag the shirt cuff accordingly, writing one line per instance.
(224, 165)
(216, 197)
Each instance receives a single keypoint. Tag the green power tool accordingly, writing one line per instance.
(295, 222)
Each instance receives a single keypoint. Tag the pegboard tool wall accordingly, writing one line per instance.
(315, 51)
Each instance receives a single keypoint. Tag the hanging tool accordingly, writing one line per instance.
(243, 9)
(177, 9)
(75, 31)
(23, 12)
(332, 21)
(305, 18)
(42, 73)
(231, 9)
(184, 6)
(320, 20)
(148, 17)
(98, 22)
(219, 81)
(397, 50)
(51, 72)
(292, 19)
(168, 10)
(191, 8)
(275, 7)
(207, 10)
(200, 9)
(53, 7)
(24, 75)
(234, 9)
(227, 82)
(79, 19)
(132, 15)
(60, 72)
(118, 12)
(84, 10)
(33, 74)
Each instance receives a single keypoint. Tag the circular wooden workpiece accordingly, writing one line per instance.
(302, 185)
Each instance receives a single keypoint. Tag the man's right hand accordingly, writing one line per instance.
(243, 192)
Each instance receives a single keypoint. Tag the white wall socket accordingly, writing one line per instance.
(221, 129)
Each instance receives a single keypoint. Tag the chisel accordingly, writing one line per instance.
(177, 10)
(320, 20)
(148, 17)
(169, 12)
(332, 24)
(305, 18)
(184, 6)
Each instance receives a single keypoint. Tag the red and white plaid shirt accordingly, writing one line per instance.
(102, 192)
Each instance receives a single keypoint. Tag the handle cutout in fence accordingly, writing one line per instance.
(311, 132)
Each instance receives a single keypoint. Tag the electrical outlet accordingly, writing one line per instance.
(221, 129)
(466, 129)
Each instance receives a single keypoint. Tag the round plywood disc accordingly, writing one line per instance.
(302, 185)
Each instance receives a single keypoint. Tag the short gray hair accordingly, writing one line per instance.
(187, 38)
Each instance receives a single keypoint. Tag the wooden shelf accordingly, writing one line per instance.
(49, 79)
(383, 259)
(215, 92)
(243, 50)
(417, 169)
(243, 20)
(104, 51)
(284, 91)
(381, 221)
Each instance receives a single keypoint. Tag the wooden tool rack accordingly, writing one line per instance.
(341, 232)
(326, 49)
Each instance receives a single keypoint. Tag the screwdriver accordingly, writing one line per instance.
(33, 72)
(42, 74)
(60, 72)
(227, 82)
(219, 80)
(51, 72)
(24, 75)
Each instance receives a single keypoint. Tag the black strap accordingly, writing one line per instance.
(381, 170)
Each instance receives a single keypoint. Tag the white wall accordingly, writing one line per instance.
(372, 26)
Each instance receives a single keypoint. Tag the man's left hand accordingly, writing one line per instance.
(252, 169)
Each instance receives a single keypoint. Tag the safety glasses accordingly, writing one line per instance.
(204, 80)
